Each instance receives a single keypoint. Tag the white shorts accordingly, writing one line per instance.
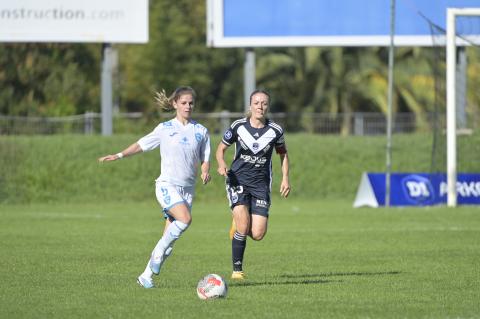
(169, 195)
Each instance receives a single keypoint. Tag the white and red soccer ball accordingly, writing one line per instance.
(212, 286)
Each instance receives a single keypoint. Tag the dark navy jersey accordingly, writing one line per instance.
(252, 164)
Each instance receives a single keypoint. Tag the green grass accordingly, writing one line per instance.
(63, 168)
(320, 259)
(75, 234)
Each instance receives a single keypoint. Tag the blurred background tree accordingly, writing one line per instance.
(64, 79)
(49, 79)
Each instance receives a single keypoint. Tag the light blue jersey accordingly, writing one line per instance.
(182, 149)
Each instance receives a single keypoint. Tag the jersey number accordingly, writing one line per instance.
(233, 192)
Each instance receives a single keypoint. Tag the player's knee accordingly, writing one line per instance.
(257, 236)
(186, 219)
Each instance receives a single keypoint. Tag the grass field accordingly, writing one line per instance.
(320, 259)
(63, 168)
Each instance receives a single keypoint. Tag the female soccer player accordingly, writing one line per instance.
(248, 181)
(184, 144)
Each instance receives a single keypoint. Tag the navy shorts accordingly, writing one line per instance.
(258, 203)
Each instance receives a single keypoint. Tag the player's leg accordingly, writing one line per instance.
(168, 221)
(239, 203)
(147, 273)
(259, 223)
(182, 219)
(173, 230)
(177, 204)
(258, 228)
(241, 216)
(232, 195)
(232, 230)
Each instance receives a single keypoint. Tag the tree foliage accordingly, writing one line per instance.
(48, 79)
(63, 79)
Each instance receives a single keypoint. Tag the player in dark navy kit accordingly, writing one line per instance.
(249, 179)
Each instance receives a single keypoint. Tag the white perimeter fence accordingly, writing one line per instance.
(217, 122)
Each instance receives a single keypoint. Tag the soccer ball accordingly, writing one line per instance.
(212, 286)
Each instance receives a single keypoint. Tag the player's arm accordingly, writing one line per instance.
(285, 184)
(220, 156)
(205, 164)
(129, 151)
(205, 175)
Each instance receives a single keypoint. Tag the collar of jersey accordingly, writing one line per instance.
(257, 128)
(180, 123)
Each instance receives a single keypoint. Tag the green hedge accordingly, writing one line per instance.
(63, 168)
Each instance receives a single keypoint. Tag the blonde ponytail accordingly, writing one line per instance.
(163, 101)
(166, 103)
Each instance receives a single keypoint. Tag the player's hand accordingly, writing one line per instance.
(285, 188)
(205, 178)
(108, 158)
(222, 170)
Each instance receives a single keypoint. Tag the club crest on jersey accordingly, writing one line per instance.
(255, 146)
(184, 141)
(198, 137)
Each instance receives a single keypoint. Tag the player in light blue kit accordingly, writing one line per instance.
(184, 145)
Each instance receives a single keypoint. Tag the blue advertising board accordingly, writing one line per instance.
(416, 189)
(250, 23)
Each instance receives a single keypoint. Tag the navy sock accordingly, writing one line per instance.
(239, 242)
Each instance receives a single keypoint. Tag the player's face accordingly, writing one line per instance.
(259, 105)
(184, 105)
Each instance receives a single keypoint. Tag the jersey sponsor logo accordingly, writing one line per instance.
(260, 160)
(261, 203)
(173, 134)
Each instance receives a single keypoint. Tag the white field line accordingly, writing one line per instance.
(64, 215)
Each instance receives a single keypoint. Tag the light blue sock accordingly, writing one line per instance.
(165, 244)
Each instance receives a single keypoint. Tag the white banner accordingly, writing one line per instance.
(108, 21)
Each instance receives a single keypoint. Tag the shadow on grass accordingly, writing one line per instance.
(339, 274)
(307, 279)
(280, 282)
